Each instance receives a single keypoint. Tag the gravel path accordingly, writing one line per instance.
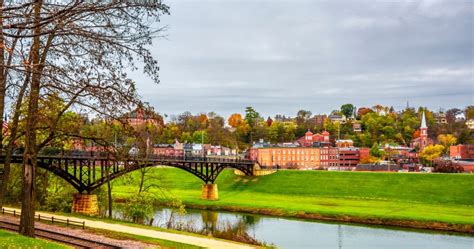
(182, 238)
(78, 232)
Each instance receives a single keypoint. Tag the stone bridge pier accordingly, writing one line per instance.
(85, 204)
(209, 192)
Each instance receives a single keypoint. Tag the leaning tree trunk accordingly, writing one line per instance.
(109, 195)
(27, 220)
(11, 142)
(6, 171)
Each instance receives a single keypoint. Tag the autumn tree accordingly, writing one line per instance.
(79, 51)
(235, 120)
(447, 140)
(431, 153)
(363, 110)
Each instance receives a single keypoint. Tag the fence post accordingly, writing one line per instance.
(83, 225)
(52, 219)
(67, 222)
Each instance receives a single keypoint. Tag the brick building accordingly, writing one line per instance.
(163, 150)
(309, 139)
(462, 152)
(176, 149)
(139, 117)
(344, 143)
(318, 120)
(349, 157)
(329, 157)
(287, 157)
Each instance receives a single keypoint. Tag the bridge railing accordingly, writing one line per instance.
(51, 219)
(153, 157)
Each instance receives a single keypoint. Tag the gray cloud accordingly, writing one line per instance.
(281, 56)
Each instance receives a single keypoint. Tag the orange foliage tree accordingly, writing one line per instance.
(235, 120)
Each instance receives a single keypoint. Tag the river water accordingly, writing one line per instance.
(301, 233)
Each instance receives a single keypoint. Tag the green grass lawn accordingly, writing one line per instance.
(445, 198)
(12, 240)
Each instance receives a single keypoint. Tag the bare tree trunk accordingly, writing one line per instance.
(142, 180)
(27, 221)
(6, 171)
(11, 142)
(109, 194)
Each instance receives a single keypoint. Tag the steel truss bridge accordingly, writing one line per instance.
(89, 173)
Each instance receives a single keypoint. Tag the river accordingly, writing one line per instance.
(301, 233)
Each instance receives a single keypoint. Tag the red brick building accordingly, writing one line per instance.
(287, 157)
(309, 138)
(140, 117)
(163, 150)
(344, 143)
(349, 157)
(329, 157)
(462, 152)
(318, 120)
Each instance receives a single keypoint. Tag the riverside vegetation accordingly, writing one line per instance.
(434, 201)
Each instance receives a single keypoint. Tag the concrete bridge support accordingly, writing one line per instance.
(85, 204)
(209, 192)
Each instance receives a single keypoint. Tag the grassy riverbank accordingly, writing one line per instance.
(437, 201)
(13, 240)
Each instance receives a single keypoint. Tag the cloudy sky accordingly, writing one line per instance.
(283, 56)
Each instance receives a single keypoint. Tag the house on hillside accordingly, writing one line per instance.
(309, 139)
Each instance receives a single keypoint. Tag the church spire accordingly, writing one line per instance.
(423, 121)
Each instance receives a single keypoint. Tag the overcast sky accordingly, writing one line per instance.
(283, 56)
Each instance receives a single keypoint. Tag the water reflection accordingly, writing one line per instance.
(298, 233)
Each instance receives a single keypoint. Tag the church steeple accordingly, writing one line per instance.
(423, 121)
(423, 132)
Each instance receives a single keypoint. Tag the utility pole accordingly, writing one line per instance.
(339, 236)
(338, 130)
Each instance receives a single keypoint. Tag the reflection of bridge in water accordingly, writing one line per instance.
(87, 173)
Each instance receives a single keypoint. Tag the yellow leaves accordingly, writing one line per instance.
(432, 152)
(368, 159)
(447, 139)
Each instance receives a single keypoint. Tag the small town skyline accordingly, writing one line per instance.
(292, 114)
(312, 55)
